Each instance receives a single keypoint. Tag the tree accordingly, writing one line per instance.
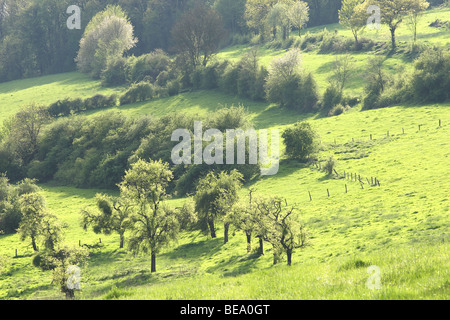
(342, 71)
(299, 15)
(352, 17)
(394, 11)
(376, 81)
(24, 131)
(301, 141)
(65, 262)
(215, 196)
(430, 80)
(278, 17)
(154, 224)
(198, 34)
(414, 16)
(108, 35)
(112, 216)
(37, 223)
(232, 12)
(245, 216)
(284, 82)
(256, 12)
(281, 227)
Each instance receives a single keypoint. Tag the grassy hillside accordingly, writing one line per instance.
(401, 226)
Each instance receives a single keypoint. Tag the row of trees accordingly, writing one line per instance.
(142, 211)
(354, 14)
(35, 39)
(95, 151)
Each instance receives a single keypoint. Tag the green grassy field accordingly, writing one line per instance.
(401, 226)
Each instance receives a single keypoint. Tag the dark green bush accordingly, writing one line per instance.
(138, 92)
(148, 67)
(331, 97)
(115, 72)
(301, 141)
(431, 77)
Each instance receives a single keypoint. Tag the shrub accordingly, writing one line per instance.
(301, 141)
(173, 87)
(228, 82)
(149, 66)
(138, 92)
(331, 97)
(329, 165)
(431, 80)
(98, 101)
(338, 110)
(211, 75)
(115, 72)
(162, 79)
(287, 86)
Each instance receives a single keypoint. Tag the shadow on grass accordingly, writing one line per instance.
(196, 249)
(244, 264)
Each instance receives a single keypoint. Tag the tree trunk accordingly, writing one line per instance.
(355, 34)
(289, 257)
(249, 243)
(33, 243)
(122, 238)
(153, 266)
(275, 258)
(225, 232)
(261, 246)
(393, 37)
(211, 228)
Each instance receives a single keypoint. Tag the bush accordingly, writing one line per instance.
(99, 101)
(148, 67)
(431, 80)
(338, 110)
(329, 165)
(138, 92)
(115, 72)
(301, 141)
(228, 82)
(288, 86)
(173, 87)
(331, 97)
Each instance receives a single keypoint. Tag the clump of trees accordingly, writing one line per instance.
(354, 14)
(428, 82)
(107, 36)
(269, 219)
(23, 209)
(289, 86)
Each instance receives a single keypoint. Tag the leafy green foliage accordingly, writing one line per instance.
(154, 224)
(301, 141)
(288, 86)
(112, 216)
(215, 196)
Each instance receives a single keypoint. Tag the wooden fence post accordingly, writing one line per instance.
(346, 191)
(310, 198)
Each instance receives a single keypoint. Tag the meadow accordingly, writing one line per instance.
(401, 226)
